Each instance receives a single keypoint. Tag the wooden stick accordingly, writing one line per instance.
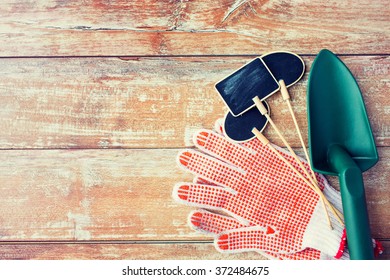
(286, 97)
(266, 142)
(263, 110)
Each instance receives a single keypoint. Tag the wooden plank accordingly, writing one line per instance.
(148, 102)
(162, 27)
(119, 194)
(184, 251)
(161, 251)
(82, 195)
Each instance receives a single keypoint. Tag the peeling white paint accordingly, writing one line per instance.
(90, 177)
(80, 222)
(188, 133)
(85, 203)
(142, 97)
(167, 133)
(104, 143)
(153, 109)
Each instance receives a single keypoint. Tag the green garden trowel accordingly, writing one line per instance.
(341, 143)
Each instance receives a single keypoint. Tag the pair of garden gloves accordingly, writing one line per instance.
(248, 199)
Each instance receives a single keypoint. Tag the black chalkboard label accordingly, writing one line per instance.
(251, 80)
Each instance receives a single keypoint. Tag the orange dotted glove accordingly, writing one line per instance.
(280, 213)
(215, 224)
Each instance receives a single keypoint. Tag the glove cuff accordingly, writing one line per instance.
(320, 236)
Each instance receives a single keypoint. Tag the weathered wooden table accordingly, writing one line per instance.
(98, 97)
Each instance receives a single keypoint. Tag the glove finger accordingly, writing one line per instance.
(220, 147)
(212, 223)
(202, 196)
(253, 238)
(243, 155)
(211, 169)
(256, 146)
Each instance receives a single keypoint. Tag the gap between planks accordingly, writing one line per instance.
(130, 57)
(106, 242)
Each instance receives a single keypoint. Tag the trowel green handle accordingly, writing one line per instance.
(354, 204)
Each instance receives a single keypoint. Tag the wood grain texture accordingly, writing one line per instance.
(163, 27)
(148, 102)
(118, 195)
(97, 98)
